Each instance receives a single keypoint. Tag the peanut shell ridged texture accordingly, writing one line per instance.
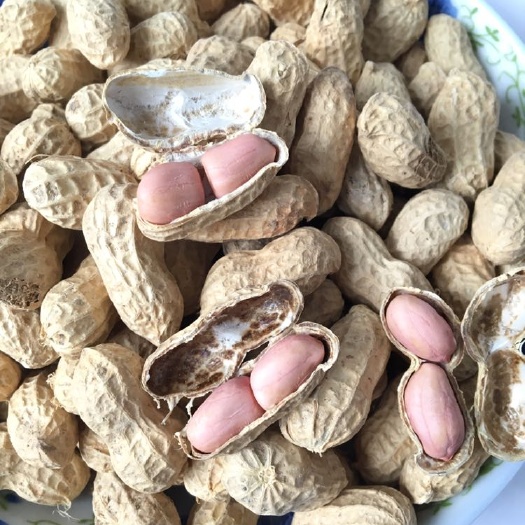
(383, 444)
(463, 121)
(123, 336)
(94, 451)
(167, 34)
(119, 149)
(143, 452)
(20, 332)
(50, 110)
(391, 27)
(368, 271)
(396, 143)
(286, 201)
(334, 36)
(221, 513)
(61, 381)
(243, 21)
(364, 194)
(10, 375)
(40, 485)
(115, 503)
(100, 30)
(282, 70)
(447, 43)
(425, 87)
(325, 134)
(139, 10)
(34, 137)
(24, 25)
(202, 479)
(324, 305)
(40, 430)
(410, 61)
(15, 105)
(60, 187)
(8, 186)
(380, 77)
(282, 11)
(59, 34)
(289, 31)
(219, 52)
(498, 219)
(5, 128)
(304, 255)
(358, 505)
(53, 74)
(77, 311)
(339, 406)
(87, 118)
(132, 266)
(427, 226)
(424, 487)
(271, 476)
(505, 145)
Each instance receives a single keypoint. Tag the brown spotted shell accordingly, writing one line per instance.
(493, 329)
(213, 349)
(423, 460)
(181, 113)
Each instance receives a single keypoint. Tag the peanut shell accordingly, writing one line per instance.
(8, 186)
(61, 381)
(202, 479)
(282, 11)
(15, 105)
(221, 513)
(10, 376)
(425, 87)
(94, 451)
(242, 21)
(505, 145)
(324, 305)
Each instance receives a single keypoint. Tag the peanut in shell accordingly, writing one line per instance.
(10, 376)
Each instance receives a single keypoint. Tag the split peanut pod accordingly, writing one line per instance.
(493, 329)
(182, 113)
(204, 356)
(425, 329)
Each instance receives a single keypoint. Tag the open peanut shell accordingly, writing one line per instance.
(493, 329)
(183, 112)
(217, 346)
(425, 461)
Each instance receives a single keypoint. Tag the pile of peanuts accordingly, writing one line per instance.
(264, 302)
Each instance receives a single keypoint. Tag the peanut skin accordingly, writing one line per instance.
(419, 328)
(433, 412)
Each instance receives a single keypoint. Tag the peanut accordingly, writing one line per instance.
(221, 513)
(242, 21)
(324, 305)
(425, 87)
(433, 412)
(8, 186)
(94, 451)
(202, 479)
(15, 105)
(10, 376)
(282, 11)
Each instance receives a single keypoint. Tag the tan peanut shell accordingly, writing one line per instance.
(139, 10)
(447, 43)
(107, 387)
(202, 479)
(20, 332)
(118, 149)
(425, 87)
(219, 52)
(464, 452)
(40, 430)
(505, 145)
(87, 118)
(305, 256)
(282, 11)
(396, 143)
(271, 476)
(38, 484)
(324, 305)
(284, 93)
(242, 21)
(391, 27)
(5, 128)
(123, 336)
(24, 25)
(8, 186)
(357, 505)
(427, 226)
(411, 60)
(492, 329)
(368, 271)
(189, 262)
(10, 376)
(325, 134)
(498, 217)
(53, 75)
(338, 407)
(60, 187)
(61, 381)
(100, 30)
(131, 266)
(34, 137)
(50, 110)
(463, 122)
(289, 31)
(221, 513)
(334, 36)
(379, 77)
(94, 451)
(383, 444)
(77, 311)
(15, 105)
(364, 194)
(59, 33)
(115, 503)
(285, 202)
